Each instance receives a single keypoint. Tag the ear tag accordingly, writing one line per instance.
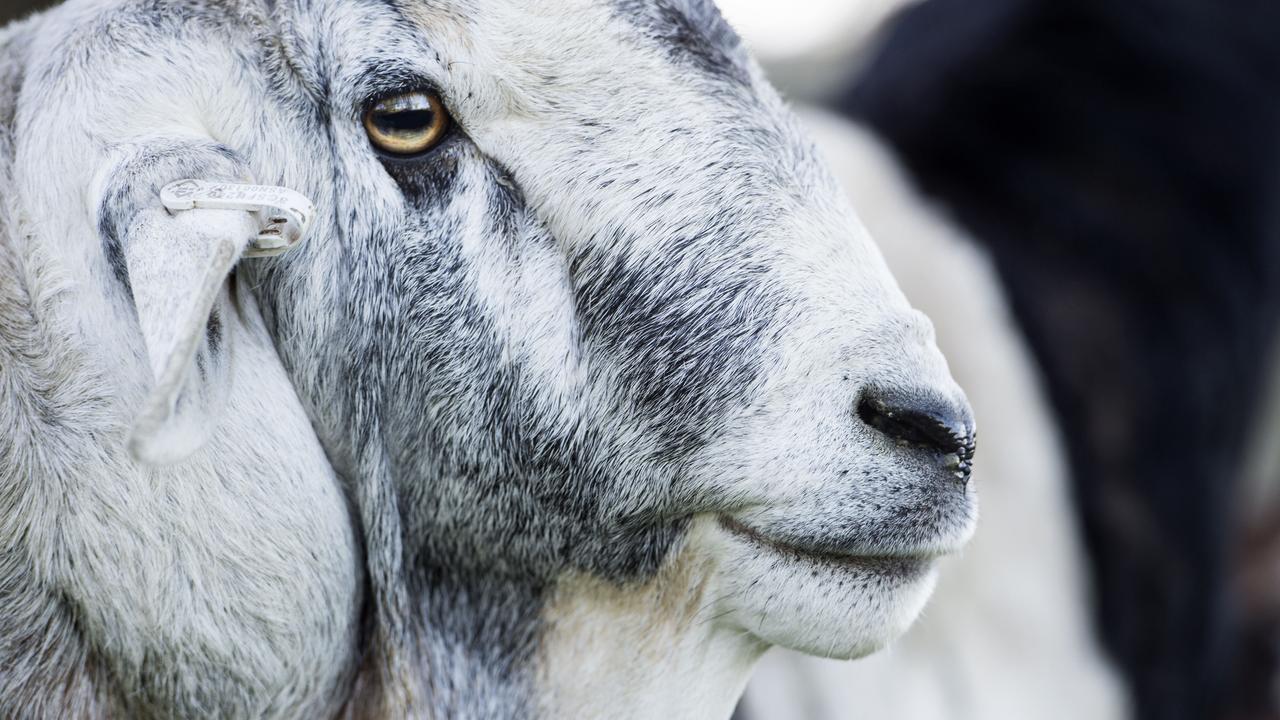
(285, 214)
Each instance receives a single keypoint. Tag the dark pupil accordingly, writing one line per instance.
(406, 121)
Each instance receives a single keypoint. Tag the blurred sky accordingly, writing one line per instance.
(782, 30)
(810, 48)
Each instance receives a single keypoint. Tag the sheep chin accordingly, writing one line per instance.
(842, 607)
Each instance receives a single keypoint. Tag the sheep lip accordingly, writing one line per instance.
(904, 563)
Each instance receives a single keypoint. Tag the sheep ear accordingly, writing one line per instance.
(179, 265)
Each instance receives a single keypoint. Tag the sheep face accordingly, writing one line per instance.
(618, 318)
(621, 297)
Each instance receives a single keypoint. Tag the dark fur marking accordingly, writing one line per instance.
(534, 500)
(688, 353)
(692, 32)
(213, 332)
(429, 178)
(108, 229)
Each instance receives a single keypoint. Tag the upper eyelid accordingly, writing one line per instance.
(402, 102)
(378, 83)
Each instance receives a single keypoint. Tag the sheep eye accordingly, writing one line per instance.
(408, 124)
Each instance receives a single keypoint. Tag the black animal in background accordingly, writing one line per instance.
(1121, 163)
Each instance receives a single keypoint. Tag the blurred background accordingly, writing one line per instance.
(13, 9)
(1087, 194)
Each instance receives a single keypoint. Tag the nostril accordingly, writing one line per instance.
(926, 424)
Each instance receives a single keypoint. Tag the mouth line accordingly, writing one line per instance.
(906, 564)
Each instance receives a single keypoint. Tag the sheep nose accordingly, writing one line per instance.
(924, 422)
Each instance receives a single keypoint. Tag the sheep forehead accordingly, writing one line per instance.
(530, 55)
(694, 24)
(563, 92)
(544, 52)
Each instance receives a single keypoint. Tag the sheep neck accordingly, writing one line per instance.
(651, 650)
(579, 647)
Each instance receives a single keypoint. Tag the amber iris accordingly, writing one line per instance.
(408, 124)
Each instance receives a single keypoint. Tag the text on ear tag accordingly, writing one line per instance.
(286, 214)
